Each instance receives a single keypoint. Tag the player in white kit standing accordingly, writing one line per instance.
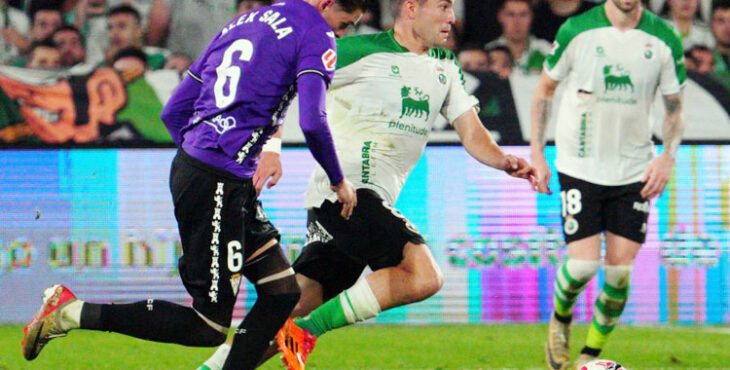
(613, 60)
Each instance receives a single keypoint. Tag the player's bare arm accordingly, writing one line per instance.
(541, 108)
(660, 170)
(480, 145)
(269, 168)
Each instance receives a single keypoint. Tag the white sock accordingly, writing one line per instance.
(218, 359)
(71, 315)
(359, 302)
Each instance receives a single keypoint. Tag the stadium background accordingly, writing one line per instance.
(101, 221)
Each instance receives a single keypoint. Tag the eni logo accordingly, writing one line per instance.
(415, 103)
(616, 78)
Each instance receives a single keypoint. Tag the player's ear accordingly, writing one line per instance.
(325, 4)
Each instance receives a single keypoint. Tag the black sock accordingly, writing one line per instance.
(563, 319)
(591, 351)
(259, 327)
(153, 320)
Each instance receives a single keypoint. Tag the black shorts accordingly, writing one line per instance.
(337, 250)
(221, 224)
(589, 209)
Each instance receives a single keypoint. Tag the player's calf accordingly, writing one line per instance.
(278, 293)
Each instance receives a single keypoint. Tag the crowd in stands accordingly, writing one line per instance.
(490, 36)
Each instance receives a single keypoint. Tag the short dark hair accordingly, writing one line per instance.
(68, 27)
(125, 9)
(130, 52)
(45, 43)
(502, 48)
(352, 5)
(43, 7)
(267, 2)
(397, 4)
(720, 5)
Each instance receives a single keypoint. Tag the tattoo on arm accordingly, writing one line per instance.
(543, 116)
(673, 123)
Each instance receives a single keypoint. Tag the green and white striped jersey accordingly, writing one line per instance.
(603, 134)
(381, 106)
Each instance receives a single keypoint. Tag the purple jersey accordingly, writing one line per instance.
(248, 76)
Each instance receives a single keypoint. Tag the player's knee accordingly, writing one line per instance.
(426, 283)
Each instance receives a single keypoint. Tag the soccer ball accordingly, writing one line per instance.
(602, 365)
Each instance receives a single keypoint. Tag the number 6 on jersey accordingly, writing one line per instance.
(227, 71)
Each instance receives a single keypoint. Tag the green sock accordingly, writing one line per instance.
(567, 287)
(606, 312)
(326, 317)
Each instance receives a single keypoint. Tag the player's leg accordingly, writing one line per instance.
(582, 226)
(404, 268)
(199, 197)
(626, 214)
(278, 292)
(310, 298)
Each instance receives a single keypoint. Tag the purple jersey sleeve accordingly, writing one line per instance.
(313, 120)
(180, 107)
(318, 52)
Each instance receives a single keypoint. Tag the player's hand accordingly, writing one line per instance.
(542, 174)
(15, 38)
(518, 167)
(268, 169)
(347, 196)
(657, 176)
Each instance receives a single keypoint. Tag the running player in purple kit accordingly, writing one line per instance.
(230, 103)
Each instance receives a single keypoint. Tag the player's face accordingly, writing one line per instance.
(340, 20)
(705, 61)
(72, 50)
(516, 20)
(721, 27)
(626, 6)
(683, 9)
(433, 22)
(45, 23)
(500, 63)
(123, 31)
(45, 58)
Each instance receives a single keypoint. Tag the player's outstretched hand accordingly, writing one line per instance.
(268, 169)
(657, 176)
(542, 174)
(347, 196)
(520, 168)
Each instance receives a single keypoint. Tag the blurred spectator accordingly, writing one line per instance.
(43, 55)
(682, 14)
(131, 62)
(243, 6)
(125, 30)
(143, 6)
(45, 21)
(473, 59)
(70, 43)
(178, 62)
(89, 16)
(700, 59)
(15, 26)
(453, 42)
(705, 8)
(499, 61)
(551, 14)
(188, 25)
(721, 31)
(528, 51)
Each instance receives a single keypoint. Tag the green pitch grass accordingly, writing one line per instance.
(388, 347)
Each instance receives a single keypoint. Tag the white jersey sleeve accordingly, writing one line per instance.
(559, 62)
(458, 101)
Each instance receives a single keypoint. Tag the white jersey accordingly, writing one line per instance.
(381, 106)
(603, 134)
